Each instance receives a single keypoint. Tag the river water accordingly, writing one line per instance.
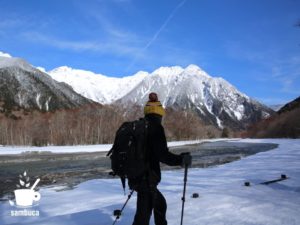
(70, 169)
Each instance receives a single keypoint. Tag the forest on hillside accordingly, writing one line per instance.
(281, 125)
(93, 124)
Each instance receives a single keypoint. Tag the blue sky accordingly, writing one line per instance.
(253, 44)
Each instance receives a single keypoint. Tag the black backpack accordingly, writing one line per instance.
(128, 154)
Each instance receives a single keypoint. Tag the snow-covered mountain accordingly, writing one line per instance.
(97, 87)
(214, 99)
(24, 86)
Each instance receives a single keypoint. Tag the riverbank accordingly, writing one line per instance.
(70, 169)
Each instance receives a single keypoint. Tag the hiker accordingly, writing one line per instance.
(149, 198)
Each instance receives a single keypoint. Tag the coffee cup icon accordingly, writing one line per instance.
(26, 197)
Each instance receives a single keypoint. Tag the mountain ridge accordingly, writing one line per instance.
(214, 99)
(24, 86)
(94, 86)
(284, 124)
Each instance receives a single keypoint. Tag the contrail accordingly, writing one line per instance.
(157, 33)
(164, 25)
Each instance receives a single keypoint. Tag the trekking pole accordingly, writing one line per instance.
(184, 188)
(118, 212)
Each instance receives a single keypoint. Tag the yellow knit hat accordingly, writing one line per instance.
(154, 107)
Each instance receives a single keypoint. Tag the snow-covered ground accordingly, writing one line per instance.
(223, 197)
(84, 148)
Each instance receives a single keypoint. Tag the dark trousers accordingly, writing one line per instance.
(150, 199)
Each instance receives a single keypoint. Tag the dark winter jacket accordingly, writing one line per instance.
(157, 148)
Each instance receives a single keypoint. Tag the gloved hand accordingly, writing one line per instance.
(186, 159)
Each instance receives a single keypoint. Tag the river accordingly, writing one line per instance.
(70, 169)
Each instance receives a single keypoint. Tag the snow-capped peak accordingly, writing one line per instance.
(3, 54)
(6, 60)
(97, 87)
(141, 73)
(168, 71)
(66, 71)
(62, 69)
(42, 69)
(195, 70)
(15, 62)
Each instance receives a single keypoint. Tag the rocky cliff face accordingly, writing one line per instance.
(215, 100)
(23, 86)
